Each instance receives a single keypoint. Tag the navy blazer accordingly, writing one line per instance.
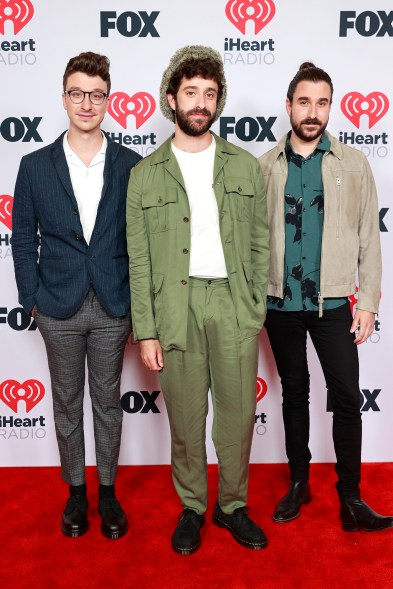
(56, 274)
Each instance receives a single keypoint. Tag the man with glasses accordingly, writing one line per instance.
(70, 200)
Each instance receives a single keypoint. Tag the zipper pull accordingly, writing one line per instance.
(320, 304)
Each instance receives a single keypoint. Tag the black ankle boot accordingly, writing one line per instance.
(355, 515)
(288, 507)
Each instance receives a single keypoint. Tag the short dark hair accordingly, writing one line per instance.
(308, 72)
(91, 64)
(206, 68)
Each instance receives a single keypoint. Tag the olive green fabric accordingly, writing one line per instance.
(216, 357)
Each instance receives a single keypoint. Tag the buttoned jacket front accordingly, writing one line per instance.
(54, 265)
(158, 235)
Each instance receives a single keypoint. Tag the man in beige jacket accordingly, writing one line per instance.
(324, 227)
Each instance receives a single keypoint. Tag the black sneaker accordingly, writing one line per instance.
(186, 538)
(74, 521)
(241, 526)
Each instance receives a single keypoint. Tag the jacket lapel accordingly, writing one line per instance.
(61, 167)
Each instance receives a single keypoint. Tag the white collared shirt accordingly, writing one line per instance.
(206, 252)
(87, 182)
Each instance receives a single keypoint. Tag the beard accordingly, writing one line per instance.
(194, 127)
(304, 135)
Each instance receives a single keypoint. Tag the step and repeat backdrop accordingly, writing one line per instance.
(262, 43)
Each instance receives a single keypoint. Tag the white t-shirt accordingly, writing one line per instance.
(206, 254)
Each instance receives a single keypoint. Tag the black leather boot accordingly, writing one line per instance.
(288, 508)
(355, 515)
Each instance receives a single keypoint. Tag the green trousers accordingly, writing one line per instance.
(218, 360)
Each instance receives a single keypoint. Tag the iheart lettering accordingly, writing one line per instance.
(261, 389)
(142, 105)
(6, 202)
(12, 391)
(354, 105)
(241, 11)
(20, 12)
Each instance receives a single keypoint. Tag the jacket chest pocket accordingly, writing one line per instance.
(240, 192)
(160, 209)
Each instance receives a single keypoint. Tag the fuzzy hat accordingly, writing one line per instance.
(190, 53)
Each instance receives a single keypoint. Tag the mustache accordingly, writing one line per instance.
(199, 111)
(310, 121)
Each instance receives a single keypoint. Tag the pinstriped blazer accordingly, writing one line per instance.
(54, 265)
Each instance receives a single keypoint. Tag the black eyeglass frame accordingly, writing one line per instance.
(104, 94)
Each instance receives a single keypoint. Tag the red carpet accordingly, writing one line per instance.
(311, 552)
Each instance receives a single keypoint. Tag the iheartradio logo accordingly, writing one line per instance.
(375, 105)
(19, 12)
(239, 12)
(142, 105)
(31, 392)
(6, 202)
(261, 388)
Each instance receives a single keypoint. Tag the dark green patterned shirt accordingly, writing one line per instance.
(303, 232)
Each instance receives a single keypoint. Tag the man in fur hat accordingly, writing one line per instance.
(198, 247)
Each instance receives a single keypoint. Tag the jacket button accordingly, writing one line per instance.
(78, 237)
(184, 281)
(186, 219)
(75, 212)
(185, 251)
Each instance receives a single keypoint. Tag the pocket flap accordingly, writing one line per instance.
(158, 197)
(240, 186)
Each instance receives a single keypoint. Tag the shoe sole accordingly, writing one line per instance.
(350, 527)
(185, 551)
(113, 535)
(75, 533)
(221, 524)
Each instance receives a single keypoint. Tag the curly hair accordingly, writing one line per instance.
(188, 62)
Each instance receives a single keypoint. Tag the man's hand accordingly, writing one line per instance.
(363, 321)
(151, 354)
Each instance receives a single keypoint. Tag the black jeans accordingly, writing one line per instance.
(338, 356)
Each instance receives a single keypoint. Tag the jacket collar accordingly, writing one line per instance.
(335, 146)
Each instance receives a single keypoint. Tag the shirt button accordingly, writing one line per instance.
(185, 251)
(240, 189)
(186, 219)
(184, 281)
(209, 281)
(304, 233)
(304, 210)
(160, 199)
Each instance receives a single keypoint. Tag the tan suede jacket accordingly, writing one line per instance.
(350, 239)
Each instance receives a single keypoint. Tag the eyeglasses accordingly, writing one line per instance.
(78, 96)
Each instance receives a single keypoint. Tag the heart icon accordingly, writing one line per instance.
(261, 389)
(6, 202)
(142, 105)
(375, 105)
(20, 12)
(241, 11)
(12, 391)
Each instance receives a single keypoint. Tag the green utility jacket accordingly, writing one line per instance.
(158, 235)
